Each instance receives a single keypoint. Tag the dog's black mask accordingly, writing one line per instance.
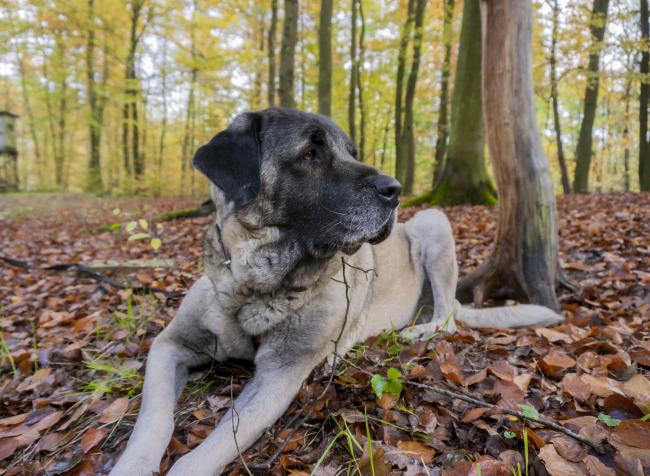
(299, 171)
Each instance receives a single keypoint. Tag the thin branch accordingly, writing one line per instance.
(480, 403)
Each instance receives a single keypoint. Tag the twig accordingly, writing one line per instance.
(480, 403)
(90, 273)
(235, 428)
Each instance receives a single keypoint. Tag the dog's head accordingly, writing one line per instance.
(299, 172)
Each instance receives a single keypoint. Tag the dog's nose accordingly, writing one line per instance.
(387, 187)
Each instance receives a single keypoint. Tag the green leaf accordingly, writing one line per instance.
(509, 434)
(155, 243)
(608, 420)
(116, 211)
(130, 226)
(138, 236)
(529, 412)
(144, 224)
(378, 384)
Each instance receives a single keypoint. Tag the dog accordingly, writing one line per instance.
(304, 257)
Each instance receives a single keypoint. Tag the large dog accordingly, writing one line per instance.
(300, 224)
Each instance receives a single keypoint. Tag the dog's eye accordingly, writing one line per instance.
(309, 155)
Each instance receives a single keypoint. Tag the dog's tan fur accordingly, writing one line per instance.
(296, 308)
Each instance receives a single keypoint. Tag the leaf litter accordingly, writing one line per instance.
(72, 351)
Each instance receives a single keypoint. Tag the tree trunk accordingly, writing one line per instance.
(644, 146)
(163, 122)
(524, 259)
(400, 166)
(584, 147)
(325, 58)
(362, 108)
(566, 185)
(408, 129)
(626, 131)
(271, 53)
(287, 53)
(443, 107)
(464, 178)
(352, 88)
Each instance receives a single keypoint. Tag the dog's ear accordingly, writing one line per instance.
(231, 160)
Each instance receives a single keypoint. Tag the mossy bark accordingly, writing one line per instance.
(465, 179)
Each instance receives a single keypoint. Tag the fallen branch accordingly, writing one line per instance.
(90, 273)
(205, 209)
(480, 403)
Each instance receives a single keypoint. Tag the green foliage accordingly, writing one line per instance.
(608, 420)
(528, 411)
(391, 384)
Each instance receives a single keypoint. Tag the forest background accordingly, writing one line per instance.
(113, 97)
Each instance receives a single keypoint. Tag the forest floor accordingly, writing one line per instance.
(72, 350)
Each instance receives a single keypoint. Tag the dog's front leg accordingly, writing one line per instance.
(262, 402)
(165, 377)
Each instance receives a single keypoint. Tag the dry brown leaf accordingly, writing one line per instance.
(569, 448)
(596, 468)
(552, 335)
(634, 433)
(474, 414)
(556, 465)
(115, 410)
(7, 447)
(600, 386)
(555, 363)
(92, 438)
(638, 389)
(417, 449)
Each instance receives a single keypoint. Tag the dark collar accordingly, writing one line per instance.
(224, 251)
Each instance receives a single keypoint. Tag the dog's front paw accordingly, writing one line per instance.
(429, 330)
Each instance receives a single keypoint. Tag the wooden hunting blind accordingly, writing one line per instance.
(8, 152)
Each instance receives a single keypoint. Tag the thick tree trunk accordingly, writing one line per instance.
(271, 53)
(352, 87)
(566, 185)
(644, 146)
(400, 159)
(408, 131)
(362, 106)
(585, 138)
(524, 259)
(287, 53)
(443, 106)
(325, 58)
(465, 179)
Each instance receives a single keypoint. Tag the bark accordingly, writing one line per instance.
(362, 108)
(352, 88)
(585, 138)
(408, 130)
(271, 53)
(187, 148)
(399, 89)
(163, 124)
(325, 58)
(524, 260)
(626, 132)
(566, 185)
(644, 146)
(443, 106)
(57, 118)
(287, 53)
(132, 157)
(464, 178)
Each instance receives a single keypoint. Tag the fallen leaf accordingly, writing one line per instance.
(555, 363)
(634, 433)
(92, 438)
(114, 411)
(556, 465)
(417, 449)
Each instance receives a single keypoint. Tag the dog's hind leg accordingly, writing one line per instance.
(433, 247)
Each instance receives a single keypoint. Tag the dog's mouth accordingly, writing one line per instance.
(351, 246)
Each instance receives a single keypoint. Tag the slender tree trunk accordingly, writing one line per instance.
(644, 145)
(566, 185)
(362, 107)
(31, 120)
(352, 87)
(523, 262)
(626, 132)
(256, 102)
(465, 179)
(287, 53)
(271, 53)
(585, 139)
(325, 58)
(443, 107)
(187, 148)
(163, 123)
(400, 159)
(408, 132)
